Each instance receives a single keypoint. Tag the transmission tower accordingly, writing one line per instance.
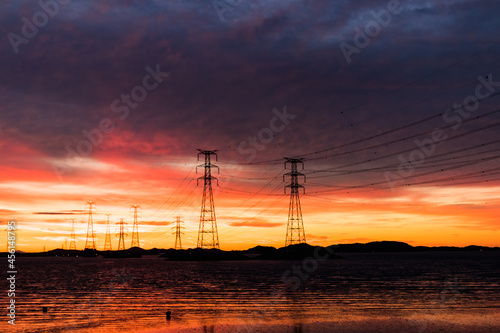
(295, 227)
(135, 229)
(107, 241)
(177, 233)
(72, 243)
(121, 236)
(208, 236)
(90, 242)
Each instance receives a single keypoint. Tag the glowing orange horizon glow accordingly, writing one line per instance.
(44, 205)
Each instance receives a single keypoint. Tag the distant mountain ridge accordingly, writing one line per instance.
(259, 252)
(393, 246)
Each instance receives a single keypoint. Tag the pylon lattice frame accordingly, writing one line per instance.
(72, 243)
(136, 211)
(90, 241)
(121, 235)
(208, 236)
(107, 241)
(178, 233)
(295, 226)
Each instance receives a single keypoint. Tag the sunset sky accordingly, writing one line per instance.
(107, 101)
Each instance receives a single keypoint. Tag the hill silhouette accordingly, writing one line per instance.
(291, 252)
(383, 246)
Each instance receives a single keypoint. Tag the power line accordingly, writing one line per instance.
(276, 161)
(412, 176)
(457, 136)
(428, 163)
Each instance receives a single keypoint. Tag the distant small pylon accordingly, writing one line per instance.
(177, 233)
(90, 242)
(135, 228)
(72, 243)
(107, 241)
(121, 236)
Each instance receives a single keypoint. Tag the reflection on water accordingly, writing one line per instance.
(102, 295)
(297, 328)
(208, 329)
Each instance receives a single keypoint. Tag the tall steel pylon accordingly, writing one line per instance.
(135, 229)
(90, 242)
(72, 243)
(295, 226)
(177, 233)
(208, 236)
(107, 240)
(121, 235)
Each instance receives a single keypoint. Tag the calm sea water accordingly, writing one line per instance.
(106, 295)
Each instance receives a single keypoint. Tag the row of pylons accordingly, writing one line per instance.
(208, 236)
(207, 233)
(90, 242)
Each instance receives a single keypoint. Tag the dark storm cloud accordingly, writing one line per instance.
(226, 77)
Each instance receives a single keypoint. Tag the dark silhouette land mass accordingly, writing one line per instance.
(292, 252)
